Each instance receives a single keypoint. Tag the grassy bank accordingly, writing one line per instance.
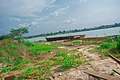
(109, 46)
(40, 60)
(36, 60)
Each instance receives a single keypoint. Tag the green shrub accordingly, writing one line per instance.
(118, 45)
(6, 69)
(14, 47)
(106, 45)
(27, 43)
(67, 64)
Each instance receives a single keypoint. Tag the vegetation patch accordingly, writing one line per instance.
(42, 48)
(28, 43)
(67, 60)
(80, 42)
(30, 72)
(109, 46)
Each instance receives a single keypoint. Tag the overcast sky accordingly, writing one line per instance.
(43, 16)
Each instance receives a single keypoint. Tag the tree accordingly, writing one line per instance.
(17, 33)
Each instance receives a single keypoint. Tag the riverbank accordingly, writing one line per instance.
(57, 60)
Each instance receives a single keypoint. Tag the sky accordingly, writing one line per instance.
(44, 16)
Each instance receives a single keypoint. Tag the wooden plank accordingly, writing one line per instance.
(102, 76)
(116, 59)
(117, 71)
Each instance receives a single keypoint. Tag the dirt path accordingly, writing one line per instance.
(95, 64)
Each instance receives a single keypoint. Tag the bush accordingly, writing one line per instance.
(106, 45)
(118, 45)
(14, 47)
(27, 43)
(67, 64)
(6, 69)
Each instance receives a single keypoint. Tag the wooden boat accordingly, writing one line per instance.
(65, 37)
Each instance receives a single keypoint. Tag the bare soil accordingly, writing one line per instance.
(95, 63)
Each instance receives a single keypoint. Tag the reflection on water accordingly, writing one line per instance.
(93, 33)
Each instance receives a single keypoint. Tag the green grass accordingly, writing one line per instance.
(67, 64)
(46, 63)
(76, 42)
(118, 45)
(27, 43)
(12, 55)
(106, 45)
(109, 46)
(30, 72)
(10, 51)
(80, 42)
(68, 60)
(92, 50)
(40, 71)
(18, 65)
(6, 69)
(18, 55)
(42, 48)
(13, 47)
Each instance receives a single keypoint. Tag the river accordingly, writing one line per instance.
(92, 33)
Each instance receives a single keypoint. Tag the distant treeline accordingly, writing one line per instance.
(76, 30)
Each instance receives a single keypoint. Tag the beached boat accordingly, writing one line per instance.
(65, 37)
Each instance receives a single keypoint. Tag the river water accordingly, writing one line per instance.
(92, 33)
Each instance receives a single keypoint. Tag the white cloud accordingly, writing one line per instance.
(83, 0)
(23, 7)
(15, 19)
(24, 24)
(42, 18)
(71, 21)
(59, 11)
(34, 23)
